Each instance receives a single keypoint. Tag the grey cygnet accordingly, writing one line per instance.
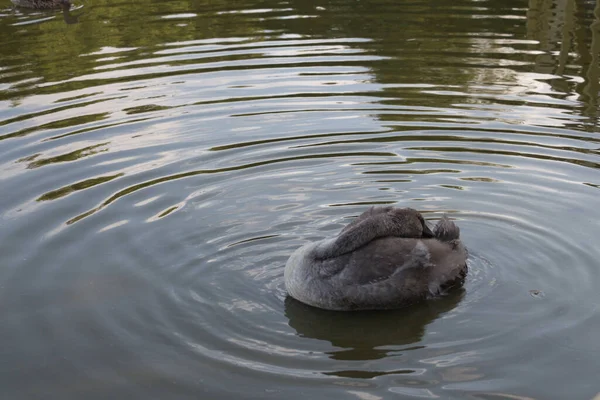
(386, 258)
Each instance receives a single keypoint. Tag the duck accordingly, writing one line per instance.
(43, 4)
(386, 258)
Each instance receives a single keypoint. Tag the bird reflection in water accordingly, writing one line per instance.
(369, 335)
(51, 5)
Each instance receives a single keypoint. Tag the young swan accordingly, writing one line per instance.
(386, 258)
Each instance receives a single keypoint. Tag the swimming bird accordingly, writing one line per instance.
(386, 258)
(43, 4)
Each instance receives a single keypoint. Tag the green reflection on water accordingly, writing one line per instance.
(72, 156)
(63, 123)
(56, 194)
(51, 51)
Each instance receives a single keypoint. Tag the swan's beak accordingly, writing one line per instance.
(427, 232)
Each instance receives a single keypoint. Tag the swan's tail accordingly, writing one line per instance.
(446, 230)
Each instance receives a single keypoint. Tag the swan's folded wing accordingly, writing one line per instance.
(383, 258)
(371, 212)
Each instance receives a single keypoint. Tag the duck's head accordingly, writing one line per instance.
(410, 223)
(66, 4)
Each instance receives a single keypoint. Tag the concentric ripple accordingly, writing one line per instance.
(160, 161)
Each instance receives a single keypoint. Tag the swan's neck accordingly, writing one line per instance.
(357, 236)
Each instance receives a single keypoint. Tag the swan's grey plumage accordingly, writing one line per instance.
(386, 258)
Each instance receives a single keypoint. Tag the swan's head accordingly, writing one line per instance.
(446, 230)
(410, 223)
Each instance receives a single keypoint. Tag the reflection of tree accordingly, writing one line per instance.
(569, 34)
(433, 42)
(442, 43)
(53, 50)
(592, 85)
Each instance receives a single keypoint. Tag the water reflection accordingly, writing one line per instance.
(179, 151)
(568, 32)
(368, 335)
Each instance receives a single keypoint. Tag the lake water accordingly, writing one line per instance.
(160, 160)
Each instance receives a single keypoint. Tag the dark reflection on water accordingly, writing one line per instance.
(360, 335)
(159, 162)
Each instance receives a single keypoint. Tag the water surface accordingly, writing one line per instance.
(159, 161)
